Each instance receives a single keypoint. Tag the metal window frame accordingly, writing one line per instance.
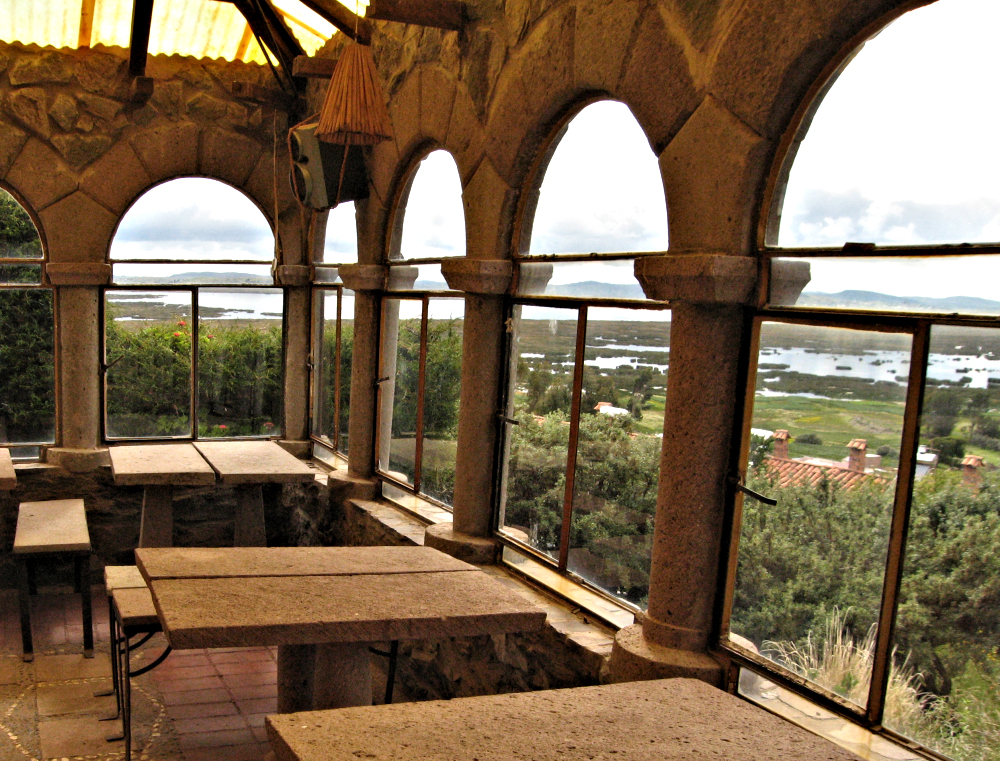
(919, 326)
(317, 361)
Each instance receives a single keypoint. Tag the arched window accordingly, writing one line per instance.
(421, 334)
(589, 371)
(873, 404)
(193, 324)
(27, 379)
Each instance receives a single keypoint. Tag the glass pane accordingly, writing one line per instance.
(941, 285)
(542, 391)
(580, 280)
(921, 166)
(398, 393)
(434, 221)
(239, 362)
(944, 688)
(341, 243)
(147, 346)
(330, 428)
(618, 454)
(602, 191)
(191, 274)
(827, 425)
(27, 383)
(18, 236)
(193, 219)
(21, 273)
(441, 394)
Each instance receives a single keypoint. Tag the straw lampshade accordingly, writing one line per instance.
(354, 111)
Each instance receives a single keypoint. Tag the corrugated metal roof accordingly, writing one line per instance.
(198, 28)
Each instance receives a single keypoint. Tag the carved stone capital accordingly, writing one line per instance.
(294, 274)
(364, 277)
(471, 549)
(698, 278)
(78, 273)
(490, 277)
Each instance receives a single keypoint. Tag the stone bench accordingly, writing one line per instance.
(661, 720)
(45, 529)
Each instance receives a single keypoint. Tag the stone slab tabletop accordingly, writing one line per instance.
(158, 563)
(306, 610)
(58, 525)
(160, 465)
(661, 720)
(122, 577)
(135, 606)
(253, 462)
(8, 478)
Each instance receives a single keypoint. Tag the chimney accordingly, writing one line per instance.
(780, 445)
(856, 460)
(970, 470)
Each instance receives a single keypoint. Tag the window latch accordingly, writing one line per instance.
(503, 418)
(738, 485)
(105, 366)
(380, 381)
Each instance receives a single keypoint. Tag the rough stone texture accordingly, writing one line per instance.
(58, 525)
(78, 229)
(78, 273)
(116, 179)
(163, 464)
(8, 477)
(81, 150)
(157, 564)
(122, 577)
(698, 278)
(12, 140)
(303, 610)
(48, 68)
(30, 107)
(636, 658)
(298, 335)
(666, 720)
(473, 549)
(40, 188)
(135, 605)
(489, 209)
(253, 462)
(78, 339)
(168, 150)
(601, 47)
(228, 156)
(437, 97)
(478, 275)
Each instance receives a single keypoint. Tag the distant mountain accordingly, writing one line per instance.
(594, 289)
(882, 301)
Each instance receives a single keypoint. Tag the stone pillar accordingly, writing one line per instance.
(707, 294)
(298, 322)
(469, 537)
(78, 347)
(367, 281)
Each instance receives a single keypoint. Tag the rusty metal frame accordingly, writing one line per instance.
(574, 436)
(418, 451)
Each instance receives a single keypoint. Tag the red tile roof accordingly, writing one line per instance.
(796, 473)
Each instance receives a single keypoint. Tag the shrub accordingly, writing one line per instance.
(808, 438)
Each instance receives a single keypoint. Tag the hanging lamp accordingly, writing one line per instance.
(354, 111)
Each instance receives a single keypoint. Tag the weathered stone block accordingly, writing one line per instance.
(207, 107)
(80, 150)
(64, 110)
(78, 273)
(116, 179)
(603, 31)
(85, 123)
(698, 278)
(466, 137)
(101, 107)
(228, 156)
(47, 68)
(30, 106)
(635, 658)
(437, 96)
(657, 84)
(102, 73)
(78, 229)
(12, 140)
(364, 277)
(404, 109)
(489, 210)
(167, 98)
(713, 170)
(478, 275)
(260, 184)
(168, 150)
(40, 176)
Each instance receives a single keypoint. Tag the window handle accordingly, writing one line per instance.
(738, 485)
(505, 419)
(108, 365)
(380, 381)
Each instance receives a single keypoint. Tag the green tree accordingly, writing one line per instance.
(18, 236)
(27, 382)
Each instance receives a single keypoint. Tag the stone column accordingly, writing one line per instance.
(298, 322)
(708, 294)
(367, 281)
(484, 282)
(78, 329)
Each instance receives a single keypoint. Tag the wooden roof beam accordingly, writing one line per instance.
(343, 19)
(440, 14)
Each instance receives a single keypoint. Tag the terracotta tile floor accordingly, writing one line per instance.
(199, 705)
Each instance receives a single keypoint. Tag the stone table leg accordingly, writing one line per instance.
(316, 677)
(157, 527)
(250, 516)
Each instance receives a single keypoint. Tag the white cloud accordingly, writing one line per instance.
(434, 219)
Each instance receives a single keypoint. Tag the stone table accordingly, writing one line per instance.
(248, 465)
(660, 720)
(8, 477)
(322, 606)
(159, 468)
